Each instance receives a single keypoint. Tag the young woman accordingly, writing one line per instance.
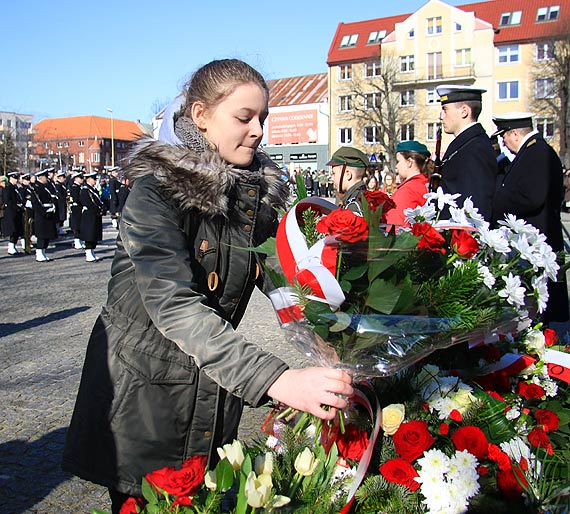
(165, 374)
(389, 185)
(414, 167)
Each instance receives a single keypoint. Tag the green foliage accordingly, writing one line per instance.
(376, 494)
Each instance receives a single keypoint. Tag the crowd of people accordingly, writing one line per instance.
(38, 208)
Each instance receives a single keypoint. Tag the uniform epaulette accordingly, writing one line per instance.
(531, 143)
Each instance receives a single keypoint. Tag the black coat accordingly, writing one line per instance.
(469, 167)
(44, 204)
(114, 186)
(76, 207)
(13, 221)
(165, 374)
(91, 214)
(61, 189)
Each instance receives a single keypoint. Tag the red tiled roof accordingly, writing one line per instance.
(87, 127)
(307, 89)
(528, 30)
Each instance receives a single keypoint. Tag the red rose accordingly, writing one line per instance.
(500, 457)
(180, 482)
(483, 470)
(130, 506)
(376, 199)
(539, 439)
(472, 439)
(412, 439)
(344, 225)
(530, 391)
(399, 471)
(352, 443)
(491, 353)
(444, 429)
(550, 336)
(509, 485)
(464, 243)
(548, 419)
(431, 239)
(455, 415)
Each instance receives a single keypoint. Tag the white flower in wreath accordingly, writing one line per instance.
(516, 225)
(442, 198)
(473, 214)
(548, 262)
(513, 292)
(495, 239)
(485, 273)
(536, 343)
(425, 212)
(540, 287)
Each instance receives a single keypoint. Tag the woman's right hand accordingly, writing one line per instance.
(310, 389)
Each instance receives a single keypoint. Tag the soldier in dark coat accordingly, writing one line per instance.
(91, 216)
(532, 189)
(61, 191)
(75, 209)
(349, 166)
(27, 192)
(124, 190)
(45, 221)
(469, 165)
(13, 221)
(114, 187)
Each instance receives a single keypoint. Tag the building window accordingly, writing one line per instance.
(66, 144)
(407, 63)
(407, 132)
(372, 135)
(376, 36)
(431, 96)
(431, 131)
(547, 13)
(46, 146)
(345, 103)
(508, 90)
(349, 40)
(372, 101)
(544, 88)
(544, 51)
(95, 157)
(545, 126)
(510, 18)
(59, 144)
(412, 33)
(372, 69)
(434, 26)
(407, 98)
(508, 54)
(81, 143)
(463, 57)
(435, 69)
(458, 27)
(345, 72)
(345, 136)
(81, 158)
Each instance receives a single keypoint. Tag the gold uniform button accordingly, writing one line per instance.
(251, 193)
(235, 300)
(249, 212)
(247, 228)
(208, 434)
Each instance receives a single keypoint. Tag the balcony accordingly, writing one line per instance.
(427, 77)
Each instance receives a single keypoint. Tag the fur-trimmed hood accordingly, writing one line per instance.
(203, 181)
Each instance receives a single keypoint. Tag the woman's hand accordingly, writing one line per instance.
(310, 389)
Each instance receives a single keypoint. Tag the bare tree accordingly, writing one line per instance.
(551, 99)
(8, 152)
(377, 104)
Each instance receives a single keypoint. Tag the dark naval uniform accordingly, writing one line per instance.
(61, 190)
(45, 221)
(13, 221)
(91, 216)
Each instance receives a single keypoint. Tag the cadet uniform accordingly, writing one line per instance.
(13, 221)
(349, 162)
(45, 221)
(27, 192)
(76, 208)
(532, 189)
(61, 191)
(91, 216)
(469, 165)
(114, 187)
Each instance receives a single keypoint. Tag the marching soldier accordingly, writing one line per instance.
(91, 216)
(61, 189)
(114, 187)
(124, 190)
(28, 212)
(45, 221)
(76, 208)
(13, 202)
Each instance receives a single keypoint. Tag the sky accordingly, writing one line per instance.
(69, 58)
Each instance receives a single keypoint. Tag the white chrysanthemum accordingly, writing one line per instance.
(548, 262)
(424, 212)
(474, 215)
(459, 216)
(435, 462)
(540, 287)
(516, 449)
(485, 273)
(550, 387)
(516, 225)
(513, 292)
(442, 199)
(513, 414)
(495, 239)
(527, 251)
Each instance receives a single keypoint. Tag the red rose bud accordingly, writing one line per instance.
(456, 416)
(430, 238)
(444, 429)
(483, 470)
(530, 391)
(499, 456)
(547, 418)
(412, 439)
(130, 506)
(538, 438)
(510, 485)
(523, 464)
(472, 439)
(344, 225)
(399, 471)
(550, 336)
(376, 199)
(526, 411)
(425, 406)
(464, 244)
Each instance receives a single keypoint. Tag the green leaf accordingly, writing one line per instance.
(355, 272)
(149, 492)
(224, 475)
(301, 188)
(383, 296)
(152, 509)
(241, 506)
(268, 247)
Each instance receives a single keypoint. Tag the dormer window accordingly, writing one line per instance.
(376, 36)
(510, 18)
(349, 40)
(548, 13)
(434, 26)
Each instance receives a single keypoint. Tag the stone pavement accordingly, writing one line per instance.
(46, 314)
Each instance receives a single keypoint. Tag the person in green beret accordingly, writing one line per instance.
(414, 166)
(349, 166)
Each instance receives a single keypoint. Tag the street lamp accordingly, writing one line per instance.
(112, 139)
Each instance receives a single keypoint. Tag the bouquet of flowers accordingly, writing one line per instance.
(353, 292)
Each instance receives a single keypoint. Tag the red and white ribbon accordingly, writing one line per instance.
(313, 267)
(558, 364)
(286, 305)
(509, 364)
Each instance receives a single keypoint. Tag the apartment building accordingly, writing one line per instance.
(497, 45)
(19, 128)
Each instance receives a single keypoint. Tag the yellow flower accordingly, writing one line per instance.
(258, 489)
(264, 464)
(392, 417)
(306, 463)
(210, 480)
(234, 453)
